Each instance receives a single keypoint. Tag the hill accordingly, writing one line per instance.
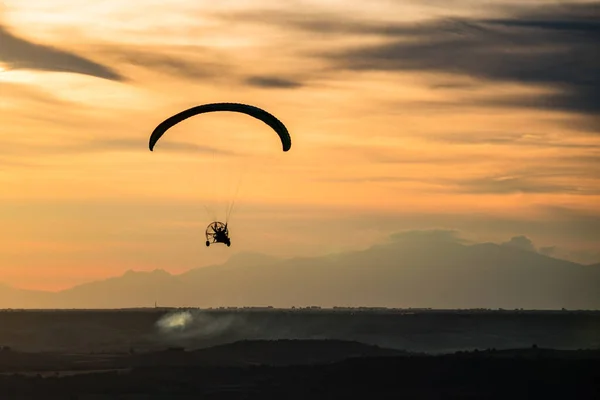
(411, 271)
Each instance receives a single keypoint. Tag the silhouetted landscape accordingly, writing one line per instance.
(320, 353)
(320, 327)
(516, 374)
(430, 269)
(299, 200)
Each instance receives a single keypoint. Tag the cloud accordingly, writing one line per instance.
(515, 184)
(19, 53)
(572, 171)
(521, 242)
(28, 104)
(512, 139)
(272, 82)
(142, 145)
(371, 179)
(556, 50)
(562, 167)
(190, 62)
(389, 155)
(551, 223)
(107, 145)
(585, 256)
(9, 163)
(537, 179)
(550, 47)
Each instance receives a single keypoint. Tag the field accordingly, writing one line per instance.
(307, 353)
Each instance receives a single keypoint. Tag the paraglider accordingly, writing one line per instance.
(252, 111)
(217, 231)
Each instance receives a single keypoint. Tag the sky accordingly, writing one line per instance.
(479, 116)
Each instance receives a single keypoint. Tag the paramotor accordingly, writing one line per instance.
(218, 232)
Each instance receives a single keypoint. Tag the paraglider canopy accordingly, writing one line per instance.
(252, 111)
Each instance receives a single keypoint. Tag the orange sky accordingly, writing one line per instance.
(380, 144)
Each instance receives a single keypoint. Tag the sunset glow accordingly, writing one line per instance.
(391, 130)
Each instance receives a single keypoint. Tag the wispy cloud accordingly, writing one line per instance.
(556, 50)
(511, 139)
(178, 62)
(393, 155)
(106, 145)
(199, 64)
(515, 184)
(19, 53)
(272, 82)
(535, 180)
(552, 47)
(371, 179)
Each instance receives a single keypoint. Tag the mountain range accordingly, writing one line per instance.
(413, 270)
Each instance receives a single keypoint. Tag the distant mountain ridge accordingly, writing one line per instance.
(412, 271)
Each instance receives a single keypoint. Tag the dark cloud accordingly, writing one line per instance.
(556, 50)
(19, 53)
(272, 82)
(551, 46)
